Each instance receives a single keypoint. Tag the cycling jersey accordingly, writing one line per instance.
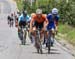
(25, 19)
(52, 21)
(39, 20)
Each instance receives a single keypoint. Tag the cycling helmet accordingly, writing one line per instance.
(54, 11)
(38, 11)
(25, 12)
(11, 14)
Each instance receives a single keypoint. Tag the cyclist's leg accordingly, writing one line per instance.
(46, 35)
(35, 36)
(50, 33)
(56, 27)
(19, 29)
(53, 32)
(16, 23)
(41, 26)
(34, 33)
(31, 37)
(46, 39)
(10, 23)
(35, 27)
(25, 32)
(52, 36)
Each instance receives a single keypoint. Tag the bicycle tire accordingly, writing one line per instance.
(49, 43)
(40, 45)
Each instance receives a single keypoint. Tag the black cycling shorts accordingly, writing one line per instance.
(22, 23)
(38, 25)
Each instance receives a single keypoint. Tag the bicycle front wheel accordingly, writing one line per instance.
(24, 38)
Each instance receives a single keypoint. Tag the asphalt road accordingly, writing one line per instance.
(10, 45)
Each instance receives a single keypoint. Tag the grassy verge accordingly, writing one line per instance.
(69, 31)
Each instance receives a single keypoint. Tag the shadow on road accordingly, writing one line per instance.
(47, 53)
(25, 44)
(55, 53)
(52, 49)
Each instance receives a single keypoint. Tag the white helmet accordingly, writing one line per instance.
(54, 11)
(38, 11)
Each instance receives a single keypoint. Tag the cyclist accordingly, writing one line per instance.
(38, 20)
(8, 19)
(23, 20)
(56, 18)
(53, 18)
(11, 20)
(16, 21)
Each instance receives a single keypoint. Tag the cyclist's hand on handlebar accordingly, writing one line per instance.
(44, 29)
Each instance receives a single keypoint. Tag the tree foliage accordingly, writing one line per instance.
(66, 9)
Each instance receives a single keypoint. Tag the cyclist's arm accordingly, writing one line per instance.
(19, 19)
(31, 23)
(57, 20)
(28, 19)
(45, 23)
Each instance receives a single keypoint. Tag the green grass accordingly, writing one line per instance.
(69, 31)
(71, 37)
(64, 28)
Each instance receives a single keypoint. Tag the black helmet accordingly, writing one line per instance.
(11, 14)
(24, 13)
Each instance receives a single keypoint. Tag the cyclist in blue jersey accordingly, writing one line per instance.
(23, 20)
(53, 18)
